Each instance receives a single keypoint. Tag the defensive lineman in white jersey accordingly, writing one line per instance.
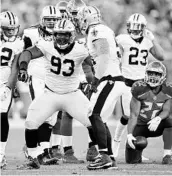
(102, 47)
(62, 80)
(10, 46)
(135, 47)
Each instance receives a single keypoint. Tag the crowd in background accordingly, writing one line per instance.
(114, 12)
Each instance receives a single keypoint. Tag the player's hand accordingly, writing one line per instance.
(94, 84)
(23, 75)
(154, 123)
(5, 93)
(130, 139)
(148, 34)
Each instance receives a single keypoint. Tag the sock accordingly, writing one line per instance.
(109, 141)
(120, 129)
(99, 130)
(31, 137)
(67, 148)
(56, 127)
(2, 147)
(91, 137)
(67, 141)
(56, 140)
(33, 152)
(167, 138)
(4, 126)
(44, 133)
(44, 145)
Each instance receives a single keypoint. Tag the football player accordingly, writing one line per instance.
(150, 112)
(64, 58)
(62, 131)
(108, 77)
(48, 18)
(136, 47)
(10, 46)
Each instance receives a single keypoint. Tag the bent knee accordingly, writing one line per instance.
(31, 125)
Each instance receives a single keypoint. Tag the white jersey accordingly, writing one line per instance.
(7, 52)
(36, 67)
(62, 71)
(102, 31)
(135, 56)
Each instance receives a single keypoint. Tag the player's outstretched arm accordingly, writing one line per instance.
(134, 113)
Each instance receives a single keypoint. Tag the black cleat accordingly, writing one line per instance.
(32, 163)
(56, 153)
(103, 162)
(92, 153)
(69, 157)
(167, 159)
(3, 162)
(114, 164)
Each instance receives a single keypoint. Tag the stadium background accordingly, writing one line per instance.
(115, 13)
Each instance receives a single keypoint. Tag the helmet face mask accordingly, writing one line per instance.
(155, 74)
(62, 6)
(136, 25)
(9, 26)
(64, 34)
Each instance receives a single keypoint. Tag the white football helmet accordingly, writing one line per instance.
(9, 26)
(136, 25)
(87, 16)
(62, 6)
(49, 16)
(64, 34)
(155, 74)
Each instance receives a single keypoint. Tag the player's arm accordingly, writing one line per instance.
(102, 50)
(87, 67)
(28, 54)
(14, 72)
(157, 51)
(135, 106)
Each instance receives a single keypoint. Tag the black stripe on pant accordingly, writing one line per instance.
(31, 89)
(102, 97)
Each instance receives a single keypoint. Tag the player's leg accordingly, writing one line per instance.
(167, 139)
(56, 138)
(67, 139)
(4, 108)
(39, 111)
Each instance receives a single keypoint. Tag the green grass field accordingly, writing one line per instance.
(153, 167)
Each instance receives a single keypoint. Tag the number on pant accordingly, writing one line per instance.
(57, 63)
(5, 59)
(133, 57)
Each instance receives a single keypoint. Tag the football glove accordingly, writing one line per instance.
(148, 34)
(5, 93)
(94, 84)
(23, 75)
(154, 123)
(130, 139)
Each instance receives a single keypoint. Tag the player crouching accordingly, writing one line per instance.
(150, 110)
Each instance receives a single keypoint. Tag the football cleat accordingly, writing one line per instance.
(3, 161)
(114, 164)
(167, 159)
(46, 158)
(92, 153)
(56, 153)
(69, 157)
(103, 162)
(32, 163)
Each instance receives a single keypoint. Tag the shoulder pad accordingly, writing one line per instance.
(167, 89)
(138, 88)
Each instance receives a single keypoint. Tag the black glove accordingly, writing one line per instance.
(23, 75)
(94, 84)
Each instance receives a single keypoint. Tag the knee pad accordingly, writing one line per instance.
(31, 125)
(132, 156)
